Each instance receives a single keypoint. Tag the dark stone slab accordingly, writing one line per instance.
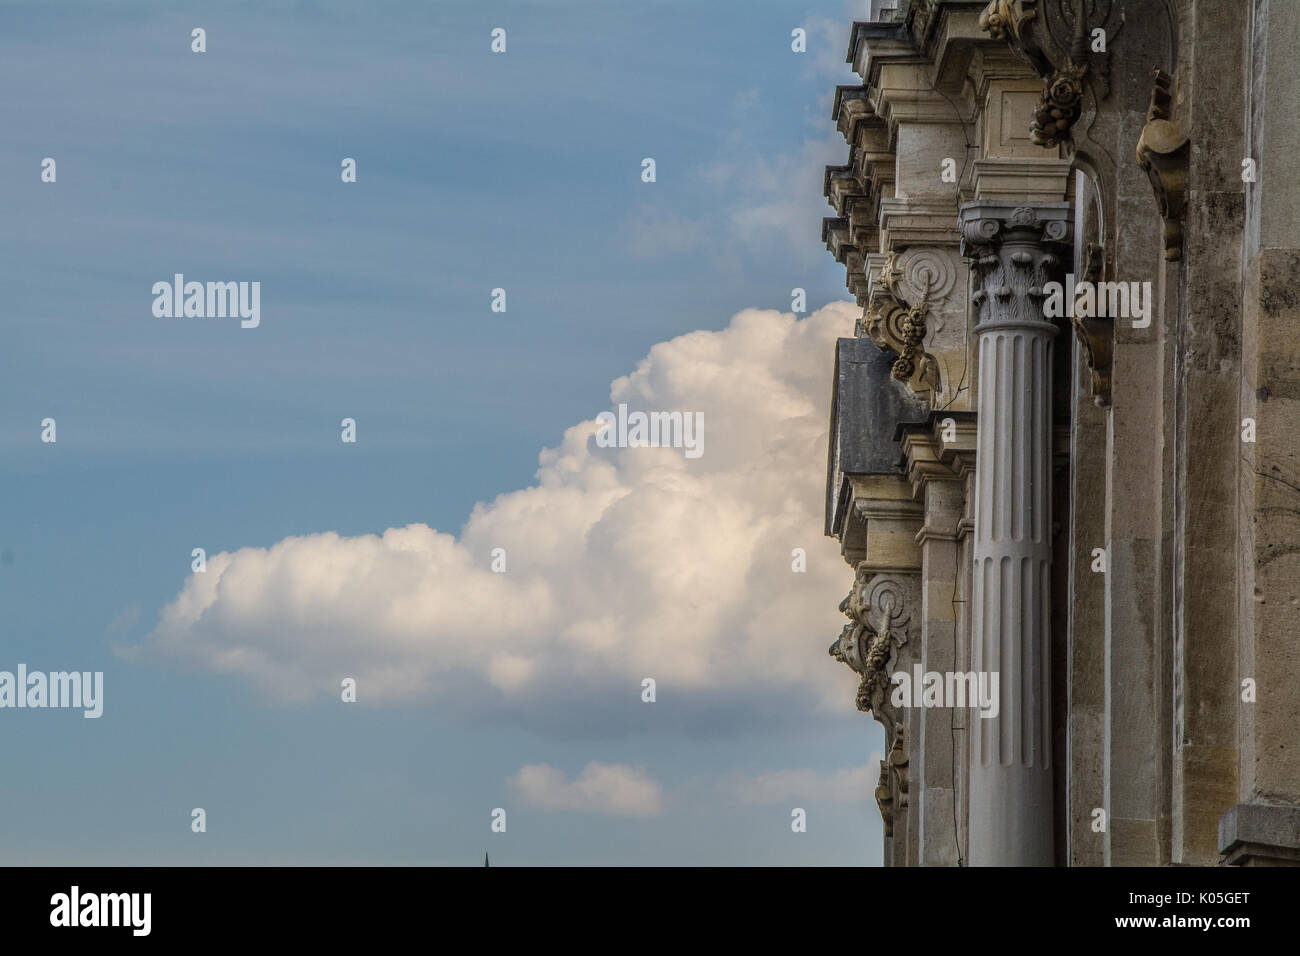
(867, 405)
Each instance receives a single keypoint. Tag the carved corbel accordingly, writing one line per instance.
(1096, 333)
(870, 644)
(895, 326)
(885, 799)
(1163, 150)
(1004, 19)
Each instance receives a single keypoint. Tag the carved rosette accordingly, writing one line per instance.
(894, 324)
(1162, 151)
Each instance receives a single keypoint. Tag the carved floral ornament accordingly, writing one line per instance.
(918, 275)
(1003, 19)
(878, 618)
(1058, 48)
(1059, 105)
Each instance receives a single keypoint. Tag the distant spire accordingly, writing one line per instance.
(485, 859)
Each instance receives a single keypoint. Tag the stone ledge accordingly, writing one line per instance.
(1259, 834)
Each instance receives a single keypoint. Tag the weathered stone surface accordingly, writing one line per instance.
(866, 405)
(1175, 155)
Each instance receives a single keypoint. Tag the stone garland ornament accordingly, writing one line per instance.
(1054, 40)
(913, 333)
(867, 649)
(893, 325)
(1059, 105)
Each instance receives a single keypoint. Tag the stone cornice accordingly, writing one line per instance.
(879, 530)
(906, 222)
(940, 449)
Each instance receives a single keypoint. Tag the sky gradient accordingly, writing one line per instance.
(474, 171)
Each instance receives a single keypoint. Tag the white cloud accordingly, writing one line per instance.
(848, 785)
(621, 563)
(614, 789)
(127, 619)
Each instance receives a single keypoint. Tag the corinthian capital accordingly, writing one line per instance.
(1015, 250)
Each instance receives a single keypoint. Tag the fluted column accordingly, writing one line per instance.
(1015, 250)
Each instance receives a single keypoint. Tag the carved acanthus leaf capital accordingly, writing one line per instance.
(1015, 252)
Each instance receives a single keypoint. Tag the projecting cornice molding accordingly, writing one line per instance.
(939, 449)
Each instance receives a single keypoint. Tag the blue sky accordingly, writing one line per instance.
(475, 171)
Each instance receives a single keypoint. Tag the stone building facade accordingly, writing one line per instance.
(1065, 439)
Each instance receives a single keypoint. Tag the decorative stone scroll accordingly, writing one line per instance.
(1096, 333)
(873, 644)
(1163, 150)
(921, 276)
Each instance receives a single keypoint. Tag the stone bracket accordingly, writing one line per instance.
(881, 626)
(1163, 151)
(1257, 834)
(1096, 334)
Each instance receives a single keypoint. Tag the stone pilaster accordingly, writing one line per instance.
(939, 454)
(1015, 251)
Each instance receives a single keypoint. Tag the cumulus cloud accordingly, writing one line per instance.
(621, 564)
(615, 789)
(848, 785)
